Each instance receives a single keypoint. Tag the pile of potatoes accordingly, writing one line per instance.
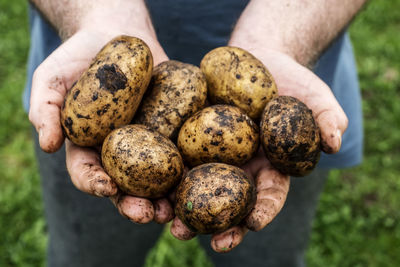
(151, 122)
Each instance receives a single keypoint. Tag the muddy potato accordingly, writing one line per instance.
(236, 77)
(177, 90)
(290, 136)
(219, 133)
(107, 95)
(142, 162)
(214, 197)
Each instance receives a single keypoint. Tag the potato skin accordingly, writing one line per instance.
(142, 162)
(177, 90)
(290, 136)
(107, 95)
(236, 77)
(214, 197)
(219, 133)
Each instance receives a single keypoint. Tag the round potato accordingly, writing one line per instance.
(142, 162)
(236, 77)
(290, 136)
(107, 95)
(214, 197)
(219, 133)
(177, 90)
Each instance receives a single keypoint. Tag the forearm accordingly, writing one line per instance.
(301, 28)
(123, 16)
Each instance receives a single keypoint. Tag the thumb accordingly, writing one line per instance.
(47, 96)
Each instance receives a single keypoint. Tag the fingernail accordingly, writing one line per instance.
(100, 188)
(40, 133)
(339, 136)
(222, 245)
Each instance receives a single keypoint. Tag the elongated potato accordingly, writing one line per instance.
(236, 77)
(107, 95)
(177, 90)
(142, 162)
(219, 133)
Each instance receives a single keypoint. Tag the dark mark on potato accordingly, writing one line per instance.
(111, 78)
(80, 116)
(76, 94)
(95, 96)
(68, 122)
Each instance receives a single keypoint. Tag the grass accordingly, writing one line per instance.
(22, 227)
(358, 220)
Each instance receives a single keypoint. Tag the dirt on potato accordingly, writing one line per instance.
(214, 197)
(290, 136)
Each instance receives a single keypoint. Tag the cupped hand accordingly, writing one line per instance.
(294, 80)
(51, 81)
(272, 189)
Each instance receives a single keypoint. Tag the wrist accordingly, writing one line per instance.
(103, 24)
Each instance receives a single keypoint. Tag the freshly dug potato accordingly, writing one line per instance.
(142, 162)
(290, 136)
(219, 133)
(107, 95)
(236, 77)
(214, 197)
(177, 91)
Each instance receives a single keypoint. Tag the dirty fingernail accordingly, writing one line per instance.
(224, 244)
(339, 136)
(103, 188)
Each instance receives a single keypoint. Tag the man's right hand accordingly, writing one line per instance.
(51, 81)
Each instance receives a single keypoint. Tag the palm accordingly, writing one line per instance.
(51, 81)
(295, 80)
(272, 186)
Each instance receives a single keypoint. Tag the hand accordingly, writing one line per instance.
(272, 186)
(272, 189)
(51, 81)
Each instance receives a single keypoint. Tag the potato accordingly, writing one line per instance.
(107, 95)
(290, 136)
(214, 197)
(236, 77)
(219, 133)
(142, 162)
(177, 91)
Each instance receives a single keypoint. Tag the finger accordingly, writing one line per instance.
(47, 96)
(50, 83)
(310, 89)
(332, 126)
(180, 231)
(163, 211)
(86, 173)
(138, 210)
(226, 241)
(272, 190)
(328, 114)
